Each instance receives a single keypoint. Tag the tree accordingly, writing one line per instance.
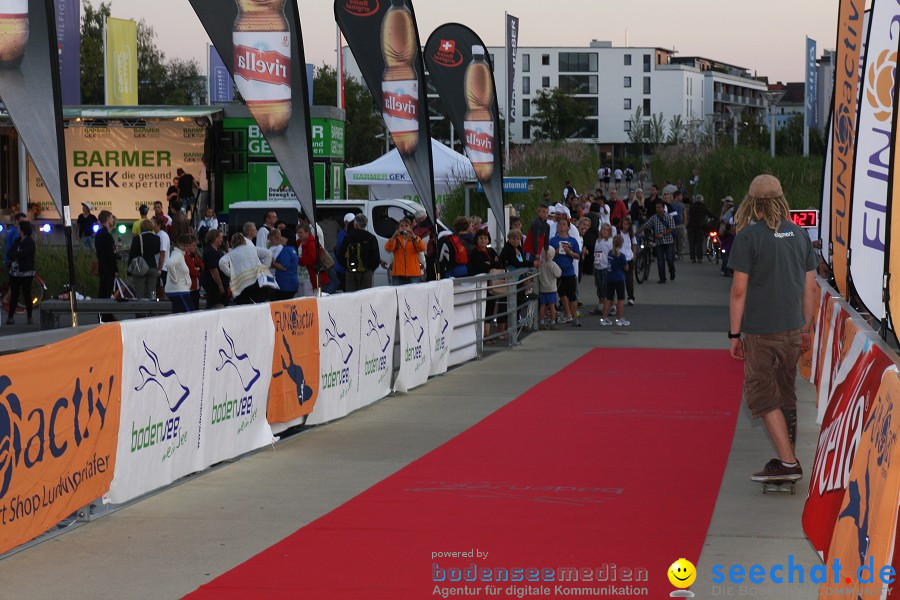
(364, 136)
(677, 130)
(557, 115)
(160, 81)
(657, 130)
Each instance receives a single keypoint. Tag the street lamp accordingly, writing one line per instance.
(772, 97)
(735, 118)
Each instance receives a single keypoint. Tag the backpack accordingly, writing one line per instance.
(533, 246)
(462, 255)
(138, 265)
(353, 257)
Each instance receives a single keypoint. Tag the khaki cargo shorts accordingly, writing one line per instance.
(770, 371)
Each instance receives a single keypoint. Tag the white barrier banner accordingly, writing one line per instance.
(356, 337)
(440, 324)
(414, 304)
(462, 341)
(194, 393)
(873, 156)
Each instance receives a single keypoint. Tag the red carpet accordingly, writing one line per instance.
(613, 464)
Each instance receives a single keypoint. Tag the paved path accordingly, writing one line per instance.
(170, 543)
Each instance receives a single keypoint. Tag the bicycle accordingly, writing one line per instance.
(713, 247)
(38, 291)
(644, 258)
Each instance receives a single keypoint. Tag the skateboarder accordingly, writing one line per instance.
(772, 298)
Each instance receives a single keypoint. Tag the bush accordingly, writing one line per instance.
(51, 264)
(729, 171)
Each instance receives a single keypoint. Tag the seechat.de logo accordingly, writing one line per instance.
(49, 433)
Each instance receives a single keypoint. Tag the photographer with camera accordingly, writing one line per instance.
(405, 246)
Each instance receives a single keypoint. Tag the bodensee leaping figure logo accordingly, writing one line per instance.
(437, 312)
(167, 381)
(240, 362)
(333, 335)
(413, 322)
(376, 327)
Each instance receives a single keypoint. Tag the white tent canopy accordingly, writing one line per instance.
(387, 176)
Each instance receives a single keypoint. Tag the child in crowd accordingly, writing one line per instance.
(549, 273)
(615, 283)
(602, 250)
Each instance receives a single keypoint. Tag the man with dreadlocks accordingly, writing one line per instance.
(771, 304)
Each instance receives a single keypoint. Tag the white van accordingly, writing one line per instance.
(383, 216)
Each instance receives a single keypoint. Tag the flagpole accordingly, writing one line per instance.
(806, 99)
(508, 49)
(105, 66)
(339, 75)
(208, 79)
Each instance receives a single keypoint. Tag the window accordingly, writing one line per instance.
(545, 81)
(647, 63)
(647, 106)
(646, 85)
(580, 62)
(646, 129)
(526, 85)
(590, 105)
(627, 103)
(526, 130)
(628, 126)
(627, 82)
(545, 59)
(526, 108)
(526, 63)
(578, 84)
(385, 219)
(627, 61)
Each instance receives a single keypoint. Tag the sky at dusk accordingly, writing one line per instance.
(765, 36)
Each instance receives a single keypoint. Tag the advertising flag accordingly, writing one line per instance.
(867, 225)
(295, 362)
(261, 45)
(825, 205)
(462, 72)
(219, 82)
(57, 434)
(30, 89)
(383, 37)
(846, 87)
(812, 84)
(68, 37)
(121, 62)
(512, 47)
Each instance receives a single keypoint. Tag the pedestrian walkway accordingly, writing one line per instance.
(179, 539)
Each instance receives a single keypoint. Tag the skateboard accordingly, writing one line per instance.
(779, 486)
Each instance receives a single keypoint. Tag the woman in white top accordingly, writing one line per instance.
(629, 249)
(178, 282)
(244, 263)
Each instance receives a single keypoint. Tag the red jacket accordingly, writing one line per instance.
(307, 252)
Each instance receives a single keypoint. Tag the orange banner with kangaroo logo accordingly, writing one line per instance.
(295, 362)
(59, 422)
(846, 95)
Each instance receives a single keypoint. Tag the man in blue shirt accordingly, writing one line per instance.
(567, 251)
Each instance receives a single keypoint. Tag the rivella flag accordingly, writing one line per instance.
(850, 32)
(463, 74)
(383, 37)
(261, 45)
(121, 62)
(30, 88)
(512, 47)
(68, 36)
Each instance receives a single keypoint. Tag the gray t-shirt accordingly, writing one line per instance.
(776, 264)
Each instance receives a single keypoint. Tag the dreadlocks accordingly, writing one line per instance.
(764, 202)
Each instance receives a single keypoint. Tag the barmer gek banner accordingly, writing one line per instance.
(463, 74)
(383, 37)
(261, 44)
(30, 87)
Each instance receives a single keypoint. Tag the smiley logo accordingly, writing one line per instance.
(682, 573)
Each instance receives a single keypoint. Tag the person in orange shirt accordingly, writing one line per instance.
(405, 246)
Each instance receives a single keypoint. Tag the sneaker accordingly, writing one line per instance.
(563, 319)
(553, 327)
(622, 323)
(576, 323)
(604, 321)
(775, 471)
(597, 312)
(631, 302)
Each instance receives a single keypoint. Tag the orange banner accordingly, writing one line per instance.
(891, 250)
(295, 362)
(846, 93)
(59, 422)
(863, 539)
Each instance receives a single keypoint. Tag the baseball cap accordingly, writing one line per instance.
(727, 200)
(349, 217)
(765, 186)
